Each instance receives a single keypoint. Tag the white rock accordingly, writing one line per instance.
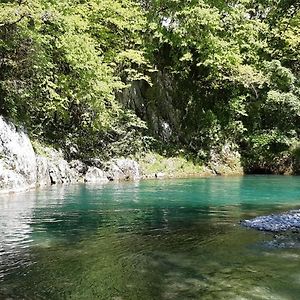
(17, 159)
(95, 175)
(123, 169)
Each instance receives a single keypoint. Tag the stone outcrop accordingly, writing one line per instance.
(123, 169)
(95, 175)
(22, 169)
(42, 164)
(225, 160)
(78, 166)
(155, 104)
(59, 170)
(17, 159)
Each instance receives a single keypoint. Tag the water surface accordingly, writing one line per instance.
(160, 239)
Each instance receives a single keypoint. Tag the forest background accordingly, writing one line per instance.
(111, 78)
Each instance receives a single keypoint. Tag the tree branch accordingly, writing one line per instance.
(15, 22)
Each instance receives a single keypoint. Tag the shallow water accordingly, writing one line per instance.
(172, 239)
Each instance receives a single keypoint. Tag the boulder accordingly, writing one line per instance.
(225, 160)
(275, 222)
(95, 175)
(21, 168)
(60, 172)
(17, 159)
(95, 162)
(123, 169)
(159, 175)
(54, 169)
(79, 166)
(43, 178)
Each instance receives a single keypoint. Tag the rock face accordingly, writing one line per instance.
(22, 169)
(226, 161)
(60, 171)
(42, 164)
(123, 169)
(160, 106)
(155, 104)
(54, 169)
(95, 175)
(275, 223)
(17, 159)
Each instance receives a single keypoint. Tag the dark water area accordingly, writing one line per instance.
(160, 239)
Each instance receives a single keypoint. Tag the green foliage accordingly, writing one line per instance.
(231, 70)
(62, 63)
(178, 166)
(280, 78)
(236, 66)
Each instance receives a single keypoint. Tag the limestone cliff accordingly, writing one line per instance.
(21, 168)
(18, 168)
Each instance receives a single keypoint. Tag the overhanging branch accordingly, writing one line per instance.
(13, 23)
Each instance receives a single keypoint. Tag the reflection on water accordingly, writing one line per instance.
(15, 232)
(150, 240)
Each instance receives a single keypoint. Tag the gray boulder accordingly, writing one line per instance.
(275, 222)
(54, 169)
(78, 166)
(59, 169)
(21, 168)
(123, 169)
(42, 164)
(95, 175)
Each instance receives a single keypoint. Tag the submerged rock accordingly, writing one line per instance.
(283, 241)
(275, 222)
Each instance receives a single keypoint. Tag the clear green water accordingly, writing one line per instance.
(175, 239)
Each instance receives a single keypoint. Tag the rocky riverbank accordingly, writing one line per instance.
(22, 168)
(25, 165)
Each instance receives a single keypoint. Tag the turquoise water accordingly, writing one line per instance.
(160, 239)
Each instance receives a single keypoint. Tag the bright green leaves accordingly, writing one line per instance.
(239, 64)
(280, 77)
(230, 69)
(269, 143)
(62, 63)
(281, 102)
(133, 66)
(238, 106)
(197, 21)
(117, 25)
(250, 78)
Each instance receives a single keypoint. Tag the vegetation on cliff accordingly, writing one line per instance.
(213, 72)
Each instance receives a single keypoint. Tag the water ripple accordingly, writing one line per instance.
(148, 240)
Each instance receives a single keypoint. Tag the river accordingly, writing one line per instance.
(156, 239)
